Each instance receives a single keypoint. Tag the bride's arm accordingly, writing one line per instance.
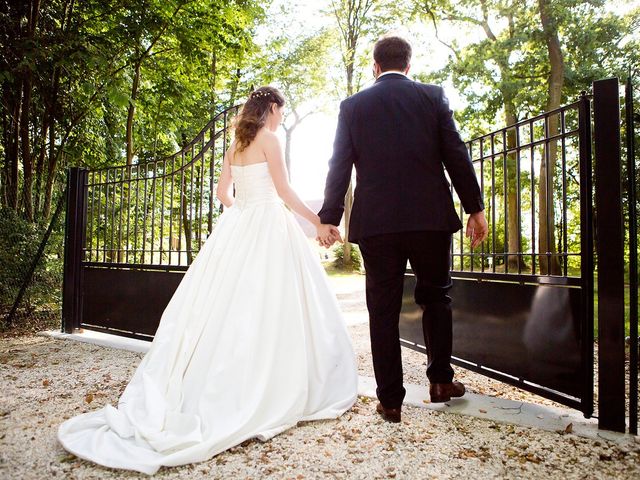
(224, 192)
(278, 171)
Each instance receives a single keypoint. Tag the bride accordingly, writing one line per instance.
(252, 341)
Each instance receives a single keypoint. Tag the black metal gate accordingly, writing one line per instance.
(132, 231)
(523, 303)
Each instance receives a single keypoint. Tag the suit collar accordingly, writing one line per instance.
(391, 76)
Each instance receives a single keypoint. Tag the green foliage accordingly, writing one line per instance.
(356, 259)
(19, 242)
(509, 64)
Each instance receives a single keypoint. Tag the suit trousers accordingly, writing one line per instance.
(385, 261)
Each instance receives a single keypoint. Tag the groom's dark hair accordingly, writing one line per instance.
(392, 52)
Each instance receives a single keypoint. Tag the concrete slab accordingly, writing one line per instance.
(102, 339)
(506, 411)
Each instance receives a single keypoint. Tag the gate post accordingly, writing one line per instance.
(586, 249)
(610, 251)
(74, 236)
(633, 257)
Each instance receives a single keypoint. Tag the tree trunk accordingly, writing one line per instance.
(40, 166)
(347, 264)
(25, 142)
(214, 77)
(13, 143)
(550, 264)
(25, 139)
(513, 231)
(53, 155)
(234, 88)
(287, 149)
(131, 111)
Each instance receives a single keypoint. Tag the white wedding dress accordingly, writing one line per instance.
(251, 343)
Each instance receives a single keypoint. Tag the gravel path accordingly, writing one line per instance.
(43, 381)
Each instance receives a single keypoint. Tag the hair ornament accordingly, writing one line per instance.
(259, 94)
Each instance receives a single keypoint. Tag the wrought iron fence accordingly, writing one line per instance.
(529, 173)
(157, 213)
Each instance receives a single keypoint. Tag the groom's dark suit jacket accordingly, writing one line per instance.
(399, 134)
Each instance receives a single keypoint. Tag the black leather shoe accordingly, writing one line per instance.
(389, 414)
(443, 392)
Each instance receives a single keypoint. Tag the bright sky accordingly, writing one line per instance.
(313, 140)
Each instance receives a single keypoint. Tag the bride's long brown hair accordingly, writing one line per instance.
(253, 115)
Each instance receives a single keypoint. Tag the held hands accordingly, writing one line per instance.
(477, 228)
(327, 234)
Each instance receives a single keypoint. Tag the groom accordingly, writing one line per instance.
(400, 135)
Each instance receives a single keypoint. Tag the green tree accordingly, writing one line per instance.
(542, 56)
(354, 20)
(299, 66)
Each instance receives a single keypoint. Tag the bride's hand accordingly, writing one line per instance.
(327, 235)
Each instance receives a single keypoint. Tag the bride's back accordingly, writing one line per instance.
(253, 153)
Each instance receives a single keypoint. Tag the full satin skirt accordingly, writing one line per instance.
(251, 343)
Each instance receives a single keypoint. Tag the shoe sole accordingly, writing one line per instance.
(387, 418)
(440, 399)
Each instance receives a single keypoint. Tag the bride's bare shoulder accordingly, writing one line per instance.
(267, 137)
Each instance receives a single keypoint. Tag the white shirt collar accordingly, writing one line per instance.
(392, 71)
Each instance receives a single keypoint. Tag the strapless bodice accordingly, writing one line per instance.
(253, 185)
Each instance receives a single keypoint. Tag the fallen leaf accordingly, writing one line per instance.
(569, 428)
(46, 382)
(88, 397)
(510, 452)
(482, 410)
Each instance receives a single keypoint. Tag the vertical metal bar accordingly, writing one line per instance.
(505, 180)
(565, 245)
(212, 171)
(633, 258)
(113, 214)
(532, 173)
(586, 251)
(144, 214)
(106, 215)
(128, 213)
(164, 176)
(173, 181)
(547, 146)
(191, 207)
(480, 153)
(90, 220)
(74, 237)
(98, 214)
(182, 199)
(122, 186)
(153, 210)
(201, 190)
(610, 251)
(135, 218)
(482, 190)
(493, 203)
(518, 200)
